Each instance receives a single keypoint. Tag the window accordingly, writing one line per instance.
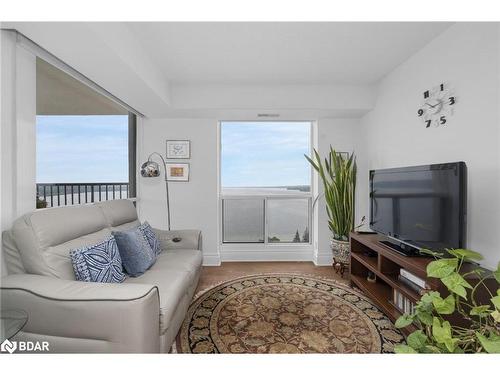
(85, 143)
(265, 182)
(243, 220)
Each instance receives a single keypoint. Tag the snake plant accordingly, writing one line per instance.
(338, 175)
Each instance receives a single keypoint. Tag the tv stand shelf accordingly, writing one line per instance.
(368, 254)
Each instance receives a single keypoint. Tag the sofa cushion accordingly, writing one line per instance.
(137, 256)
(150, 236)
(12, 258)
(127, 226)
(58, 258)
(37, 233)
(118, 212)
(54, 226)
(173, 274)
(100, 262)
(172, 287)
(187, 260)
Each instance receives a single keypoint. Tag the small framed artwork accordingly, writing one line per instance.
(178, 149)
(178, 172)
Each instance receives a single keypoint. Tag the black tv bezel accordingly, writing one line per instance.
(461, 168)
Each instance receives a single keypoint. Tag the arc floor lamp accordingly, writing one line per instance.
(151, 168)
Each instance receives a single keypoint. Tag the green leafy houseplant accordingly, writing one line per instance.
(435, 334)
(338, 175)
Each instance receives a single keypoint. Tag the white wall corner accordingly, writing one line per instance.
(123, 41)
(211, 260)
(323, 257)
(18, 117)
(25, 138)
(7, 128)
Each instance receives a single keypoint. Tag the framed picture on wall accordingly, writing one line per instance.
(178, 172)
(178, 149)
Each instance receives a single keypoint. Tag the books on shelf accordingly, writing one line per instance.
(412, 278)
(404, 304)
(417, 289)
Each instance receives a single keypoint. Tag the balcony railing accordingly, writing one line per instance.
(266, 219)
(67, 194)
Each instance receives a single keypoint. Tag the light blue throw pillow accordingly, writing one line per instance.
(150, 236)
(98, 263)
(137, 256)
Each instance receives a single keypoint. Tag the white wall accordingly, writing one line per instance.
(17, 131)
(466, 56)
(341, 135)
(273, 97)
(193, 203)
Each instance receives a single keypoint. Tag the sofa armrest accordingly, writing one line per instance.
(179, 239)
(72, 315)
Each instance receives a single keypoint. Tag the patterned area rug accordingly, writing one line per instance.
(285, 313)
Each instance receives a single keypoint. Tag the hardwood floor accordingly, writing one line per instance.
(231, 270)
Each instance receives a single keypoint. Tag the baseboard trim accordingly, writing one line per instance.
(241, 255)
(322, 259)
(211, 260)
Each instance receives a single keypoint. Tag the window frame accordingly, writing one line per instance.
(266, 197)
(132, 155)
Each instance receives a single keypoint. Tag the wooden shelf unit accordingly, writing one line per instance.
(386, 264)
(368, 254)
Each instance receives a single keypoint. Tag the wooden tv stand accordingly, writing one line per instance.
(385, 263)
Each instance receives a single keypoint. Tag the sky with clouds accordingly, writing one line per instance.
(262, 154)
(82, 149)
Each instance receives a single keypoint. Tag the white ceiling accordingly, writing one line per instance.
(57, 93)
(235, 70)
(282, 53)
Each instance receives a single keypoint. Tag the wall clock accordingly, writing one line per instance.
(437, 107)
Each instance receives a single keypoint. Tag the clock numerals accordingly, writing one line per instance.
(437, 105)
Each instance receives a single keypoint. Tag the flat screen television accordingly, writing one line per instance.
(420, 207)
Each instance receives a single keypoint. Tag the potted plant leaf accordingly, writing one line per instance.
(338, 175)
(40, 203)
(436, 331)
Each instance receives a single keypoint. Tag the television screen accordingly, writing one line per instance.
(421, 206)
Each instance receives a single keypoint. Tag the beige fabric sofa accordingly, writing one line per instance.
(141, 315)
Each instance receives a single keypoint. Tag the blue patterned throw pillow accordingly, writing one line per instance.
(150, 236)
(98, 263)
(137, 256)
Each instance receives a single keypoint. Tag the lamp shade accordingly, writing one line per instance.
(150, 169)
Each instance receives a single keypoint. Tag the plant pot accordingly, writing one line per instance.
(341, 251)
